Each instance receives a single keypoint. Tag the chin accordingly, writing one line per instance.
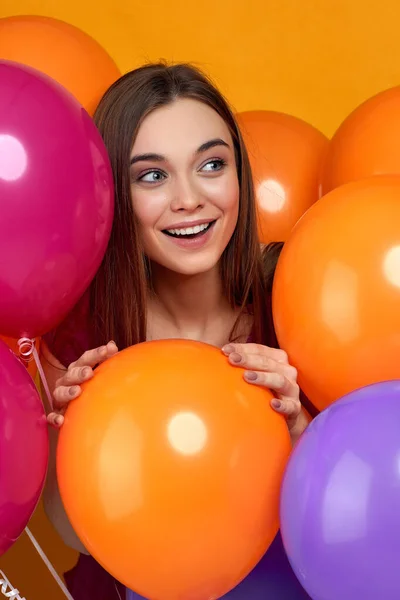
(192, 270)
(189, 262)
(190, 266)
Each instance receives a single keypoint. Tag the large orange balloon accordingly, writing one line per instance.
(63, 52)
(29, 363)
(286, 155)
(367, 142)
(170, 466)
(336, 295)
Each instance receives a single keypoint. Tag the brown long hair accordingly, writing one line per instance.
(119, 291)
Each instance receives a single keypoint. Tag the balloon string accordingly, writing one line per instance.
(27, 349)
(7, 589)
(48, 564)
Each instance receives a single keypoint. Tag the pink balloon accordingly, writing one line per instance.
(23, 447)
(56, 201)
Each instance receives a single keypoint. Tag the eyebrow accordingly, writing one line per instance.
(211, 144)
(152, 157)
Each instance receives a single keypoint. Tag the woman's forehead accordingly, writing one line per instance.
(184, 124)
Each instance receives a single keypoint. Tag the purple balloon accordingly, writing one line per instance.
(271, 579)
(23, 447)
(131, 595)
(340, 503)
(56, 201)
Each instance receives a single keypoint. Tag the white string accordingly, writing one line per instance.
(28, 351)
(7, 589)
(48, 565)
(42, 375)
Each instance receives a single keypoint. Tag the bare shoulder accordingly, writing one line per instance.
(49, 357)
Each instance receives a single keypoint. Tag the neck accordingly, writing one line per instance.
(192, 304)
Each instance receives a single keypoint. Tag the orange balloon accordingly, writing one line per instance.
(336, 295)
(29, 364)
(286, 155)
(170, 466)
(63, 52)
(367, 142)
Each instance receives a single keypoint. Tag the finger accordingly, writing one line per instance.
(55, 420)
(64, 394)
(275, 382)
(75, 376)
(287, 406)
(275, 353)
(262, 362)
(91, 358)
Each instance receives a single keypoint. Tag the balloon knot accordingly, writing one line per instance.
(26, 347)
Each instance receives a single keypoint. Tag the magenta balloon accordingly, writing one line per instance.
(23, 447)
(56, 201)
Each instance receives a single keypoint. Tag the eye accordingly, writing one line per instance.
(214, 165)
(154, 176)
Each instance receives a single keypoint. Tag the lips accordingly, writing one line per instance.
(191, 241)
(189, 232)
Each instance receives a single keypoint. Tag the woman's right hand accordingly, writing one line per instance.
(68, 387)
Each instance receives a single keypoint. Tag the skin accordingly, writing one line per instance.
(183, 169)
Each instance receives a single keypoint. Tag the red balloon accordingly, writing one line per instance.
(23, 447)
(56, 201)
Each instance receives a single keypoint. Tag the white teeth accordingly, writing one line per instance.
(189, 230)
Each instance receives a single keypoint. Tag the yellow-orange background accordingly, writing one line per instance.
(315, 59)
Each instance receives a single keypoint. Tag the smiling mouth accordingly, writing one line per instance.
(189, 232)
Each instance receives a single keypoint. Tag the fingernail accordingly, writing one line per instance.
(73, 391)
(59, 420)
(250, 375)
(86, 372)
(276, 403)
(235, 357)
(228, 349)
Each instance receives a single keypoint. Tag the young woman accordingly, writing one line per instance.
(184, 259)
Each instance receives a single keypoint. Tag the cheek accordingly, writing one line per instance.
(149, 206)
(224, 193)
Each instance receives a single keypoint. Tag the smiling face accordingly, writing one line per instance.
(184, 186)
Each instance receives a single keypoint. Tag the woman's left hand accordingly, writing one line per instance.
(270, 368)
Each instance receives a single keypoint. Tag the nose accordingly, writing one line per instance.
(186, 196)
